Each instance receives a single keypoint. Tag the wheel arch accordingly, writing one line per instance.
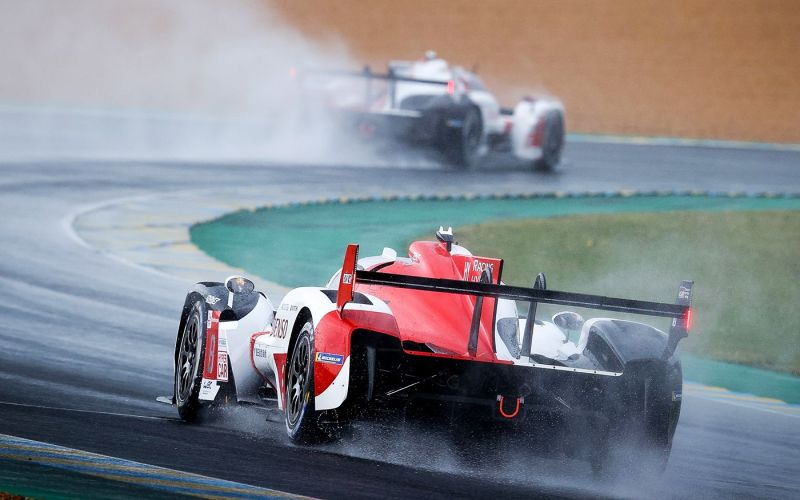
(188, 302)
(628, 341)
(302, 317)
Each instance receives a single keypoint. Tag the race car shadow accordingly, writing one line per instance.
(398, 156)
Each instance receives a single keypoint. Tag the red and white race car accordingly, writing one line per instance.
(435, 335)
(430, 103)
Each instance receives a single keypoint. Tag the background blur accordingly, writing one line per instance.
(691, 68)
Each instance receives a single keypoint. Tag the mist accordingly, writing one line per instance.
(156, 79)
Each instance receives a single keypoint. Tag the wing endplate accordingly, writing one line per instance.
(683, 323)
(347, 278)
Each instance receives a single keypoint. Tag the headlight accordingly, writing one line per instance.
(239, 284)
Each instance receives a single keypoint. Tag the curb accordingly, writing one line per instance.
(171, 481)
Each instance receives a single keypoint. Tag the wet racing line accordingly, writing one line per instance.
(86, 327)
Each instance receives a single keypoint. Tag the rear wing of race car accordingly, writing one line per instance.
(680, 312)
(368, 75)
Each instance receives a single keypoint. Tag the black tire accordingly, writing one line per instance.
(303, 423)
(661, 414)
(462, 144)
(648, 417)
(189, 362)
(552, 143)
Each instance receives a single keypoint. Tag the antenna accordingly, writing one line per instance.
(445, 237)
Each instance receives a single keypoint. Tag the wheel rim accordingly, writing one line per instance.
(298, 376)
(187, 359)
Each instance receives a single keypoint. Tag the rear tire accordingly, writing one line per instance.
(304, 424)
(552, 142)
(648, 416)
(189, 363)
(661, 414)
(462, 144)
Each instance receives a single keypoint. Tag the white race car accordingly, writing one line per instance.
(430, 103)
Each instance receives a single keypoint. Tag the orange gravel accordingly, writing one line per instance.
(724, 69)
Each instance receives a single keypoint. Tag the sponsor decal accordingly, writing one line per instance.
(279, 328)
(347, 279)
(211, 346)
(222, 342)
(479, 266)
(292, 308)
(333, 359)
(222, 366)
(676, 396)
(284, 307)
(473, 269)
(208, 390)
(260, 352)
(211, 299)
(683, 293)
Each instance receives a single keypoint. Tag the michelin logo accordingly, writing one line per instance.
(334, 359)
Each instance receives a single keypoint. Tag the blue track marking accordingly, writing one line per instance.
(117, 469)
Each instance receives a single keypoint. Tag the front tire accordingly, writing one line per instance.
(189, 362)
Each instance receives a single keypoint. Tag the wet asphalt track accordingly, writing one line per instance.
(85, 332)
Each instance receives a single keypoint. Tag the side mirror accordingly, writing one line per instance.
(239, 285)
(568, 320)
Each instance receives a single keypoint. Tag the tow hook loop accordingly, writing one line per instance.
(500, 406)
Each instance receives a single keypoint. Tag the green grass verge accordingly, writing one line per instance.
(746, 266)
(303, 244)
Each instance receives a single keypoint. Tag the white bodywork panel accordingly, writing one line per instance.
(264, 362)
(276, 342)
(271, 348)
(527, 115)
(237, 343)
(336, 393)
